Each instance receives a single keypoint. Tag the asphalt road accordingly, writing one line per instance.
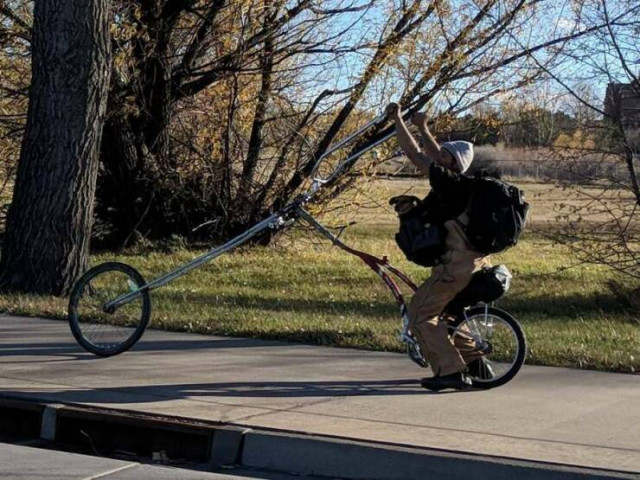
(28, 463)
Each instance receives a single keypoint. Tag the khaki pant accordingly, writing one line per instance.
(446, 281)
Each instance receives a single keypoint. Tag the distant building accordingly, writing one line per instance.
(622, 103)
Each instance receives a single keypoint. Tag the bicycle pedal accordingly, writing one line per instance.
(416, 356)
(485, 348)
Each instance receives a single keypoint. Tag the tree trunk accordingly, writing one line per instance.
(46, 245)
(122, 199)
(135, 146)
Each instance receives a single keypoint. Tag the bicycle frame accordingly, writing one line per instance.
(285, 217)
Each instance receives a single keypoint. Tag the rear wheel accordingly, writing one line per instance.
(101, 332)
(495, 339)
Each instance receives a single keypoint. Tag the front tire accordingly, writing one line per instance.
(108, 333)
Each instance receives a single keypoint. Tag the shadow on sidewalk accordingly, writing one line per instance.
(214, 392)
(71, 351)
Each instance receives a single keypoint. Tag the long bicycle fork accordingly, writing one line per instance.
(279, 220)
(272, 222)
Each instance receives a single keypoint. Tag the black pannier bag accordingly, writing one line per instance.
(497, 214)
(421, 242)
(486, 285)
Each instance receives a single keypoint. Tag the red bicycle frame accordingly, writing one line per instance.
(380, 266)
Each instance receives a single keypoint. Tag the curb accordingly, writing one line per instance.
(220, 445)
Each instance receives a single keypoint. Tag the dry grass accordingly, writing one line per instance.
(304, 290)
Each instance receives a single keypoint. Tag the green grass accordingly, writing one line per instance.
(307, 291)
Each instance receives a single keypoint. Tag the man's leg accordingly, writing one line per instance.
(446, 281)
(463, 340)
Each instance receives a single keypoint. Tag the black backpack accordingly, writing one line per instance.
(497, 214)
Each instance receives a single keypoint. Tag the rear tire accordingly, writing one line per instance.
(500, 332)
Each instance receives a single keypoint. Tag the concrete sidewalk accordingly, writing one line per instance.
(562, 416)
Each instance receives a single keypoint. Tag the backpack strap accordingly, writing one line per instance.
(463, 218)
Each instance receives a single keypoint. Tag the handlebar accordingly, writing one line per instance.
(318, 181)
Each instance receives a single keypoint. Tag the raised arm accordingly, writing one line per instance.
(429, 143)
(440, 155)
(407, 142)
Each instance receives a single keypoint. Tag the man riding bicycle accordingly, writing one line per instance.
(443, 165)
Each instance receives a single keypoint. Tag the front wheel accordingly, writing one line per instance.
(492, 343)
(102, 331)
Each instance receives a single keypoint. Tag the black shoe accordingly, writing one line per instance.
(457, 381)
(480, 369)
